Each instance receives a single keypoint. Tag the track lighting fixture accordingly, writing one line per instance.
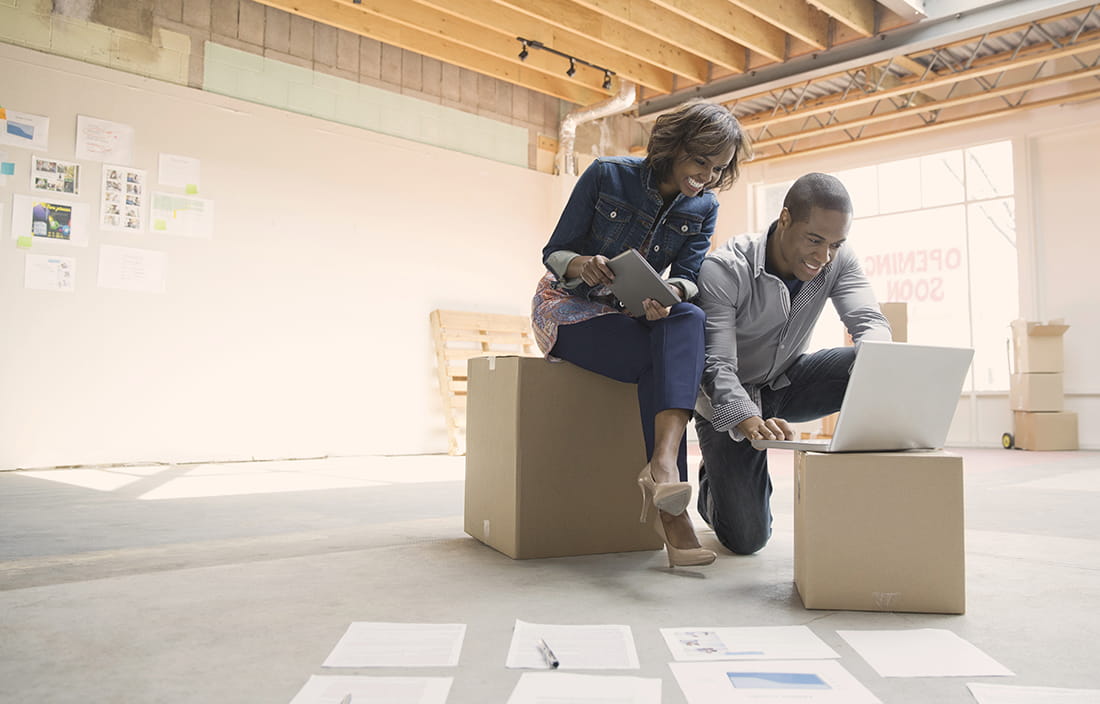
(526, 44)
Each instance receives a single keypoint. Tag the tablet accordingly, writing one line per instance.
(635, 281)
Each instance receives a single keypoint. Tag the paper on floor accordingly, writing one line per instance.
(736, 682)
(746, 643)
(585, 647)
(562, 688)
(1008, 694)
(922, 652)
(373, 644)
(322, 689)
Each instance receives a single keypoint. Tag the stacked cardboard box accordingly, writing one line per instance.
(1036, 394)
(553, 454)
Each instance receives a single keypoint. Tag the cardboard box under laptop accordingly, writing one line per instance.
(1045, 431)
(1037, 347)
(880, 531)
(553, 454)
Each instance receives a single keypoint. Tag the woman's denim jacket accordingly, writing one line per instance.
(613, 207)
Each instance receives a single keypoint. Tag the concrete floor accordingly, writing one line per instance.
(232, 582)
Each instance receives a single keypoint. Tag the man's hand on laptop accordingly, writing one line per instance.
(756, 428)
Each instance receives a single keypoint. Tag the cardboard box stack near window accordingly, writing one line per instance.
(1036, 394)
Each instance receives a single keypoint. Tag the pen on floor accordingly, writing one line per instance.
(548, 655)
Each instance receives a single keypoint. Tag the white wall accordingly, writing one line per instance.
(300, 329)
(1056, 195)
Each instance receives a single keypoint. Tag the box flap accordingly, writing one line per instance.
(1054, 328)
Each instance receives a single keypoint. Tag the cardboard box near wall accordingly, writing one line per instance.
(1037, 347)
(898, 316)
(1036, 392)
(553, 454)
(880, 531)
(1045, 431)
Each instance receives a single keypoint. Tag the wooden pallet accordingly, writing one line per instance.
(461, 335)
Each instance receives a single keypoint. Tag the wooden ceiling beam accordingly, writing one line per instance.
(796, 17)
(675, 29)
(347, 16)
(510, 23)
(732, 22)
(858, 15)
(611, 33)
(493, 16)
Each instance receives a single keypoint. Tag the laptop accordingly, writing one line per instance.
(900, 397)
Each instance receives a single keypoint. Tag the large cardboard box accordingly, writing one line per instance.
(880, 531)
(898, 316)
(1045, 431)
(1036, 392)
(1037, 347)
(553, 454)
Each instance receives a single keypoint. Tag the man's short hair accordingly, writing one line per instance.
(816, 190)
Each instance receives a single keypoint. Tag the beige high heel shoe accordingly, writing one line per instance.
(671, 497)
(683, 557)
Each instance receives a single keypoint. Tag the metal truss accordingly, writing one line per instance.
(1043, 62)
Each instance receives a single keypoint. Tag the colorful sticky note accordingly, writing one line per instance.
(24, 242)
(7, 168)
(160, 224)
(192, 189)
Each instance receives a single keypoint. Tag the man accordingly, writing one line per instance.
(762, 295)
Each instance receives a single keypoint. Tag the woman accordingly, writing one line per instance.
(662, 206)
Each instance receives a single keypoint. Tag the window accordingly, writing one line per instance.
(937, 232)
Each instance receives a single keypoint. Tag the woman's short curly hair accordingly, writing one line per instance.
(698, 128)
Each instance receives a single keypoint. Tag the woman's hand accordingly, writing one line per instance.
(592, 270)
(654, 310)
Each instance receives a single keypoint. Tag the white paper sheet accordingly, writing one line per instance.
(22, 129)
(48, 218)
(46, 273)
(175, 214)
(131, 269)
(746, 643)
(123, 199)
(179, 171)
(585, 647)
(804, 681)
(375, 644)
(331, 689)
(922, 652)
(103, 140)
(55, 176)
(1008, 694)
(562, 688)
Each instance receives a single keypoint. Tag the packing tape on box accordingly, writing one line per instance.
(485, 529)
(492, 363)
